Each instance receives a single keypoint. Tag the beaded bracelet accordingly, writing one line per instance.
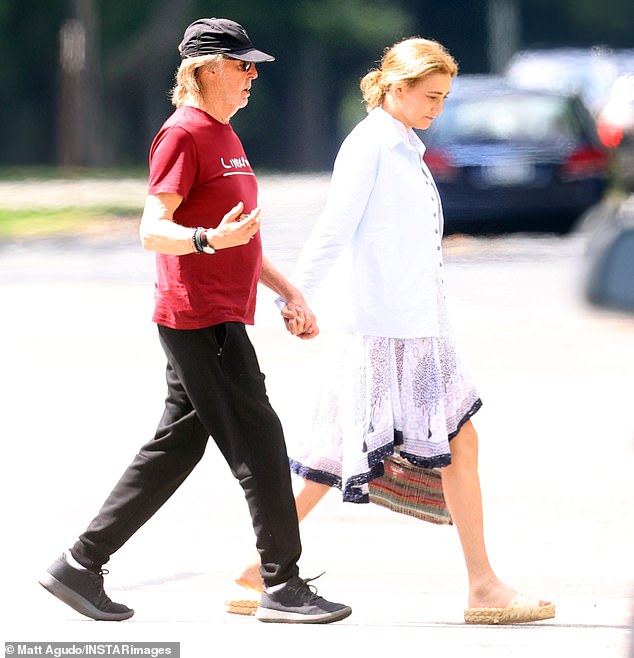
(198, 245)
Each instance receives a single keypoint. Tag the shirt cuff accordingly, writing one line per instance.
(280, 303)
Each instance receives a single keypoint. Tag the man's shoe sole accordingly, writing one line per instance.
(78, 602)
(286, 617)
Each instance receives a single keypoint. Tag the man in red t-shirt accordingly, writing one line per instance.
(202, 220)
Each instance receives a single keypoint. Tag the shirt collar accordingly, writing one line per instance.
(395, 133)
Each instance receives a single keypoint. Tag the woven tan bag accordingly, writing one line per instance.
(411, 490)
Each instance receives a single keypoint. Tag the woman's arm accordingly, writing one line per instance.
(351, 185)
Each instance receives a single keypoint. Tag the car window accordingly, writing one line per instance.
(521, 118)
(587, 72)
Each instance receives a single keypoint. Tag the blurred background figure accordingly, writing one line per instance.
(616, 127)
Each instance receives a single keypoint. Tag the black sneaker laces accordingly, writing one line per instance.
(307, 592)
(104, 599)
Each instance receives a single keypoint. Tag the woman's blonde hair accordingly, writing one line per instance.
(187, 85)
(406, 62)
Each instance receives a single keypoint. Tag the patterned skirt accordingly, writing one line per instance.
(381, 397)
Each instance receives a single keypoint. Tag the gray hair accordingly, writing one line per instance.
(187, 86)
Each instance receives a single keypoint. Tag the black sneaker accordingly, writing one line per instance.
(297, 603)
(83, 591)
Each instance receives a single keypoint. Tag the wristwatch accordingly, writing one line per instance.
(207, 248)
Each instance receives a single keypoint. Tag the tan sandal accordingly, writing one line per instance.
(521, 610)
(241, 606)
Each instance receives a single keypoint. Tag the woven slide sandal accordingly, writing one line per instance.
(241, 606)
(521, 610)
(250, 580)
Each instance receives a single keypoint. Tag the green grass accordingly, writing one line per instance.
(40, 223)
(44, 173)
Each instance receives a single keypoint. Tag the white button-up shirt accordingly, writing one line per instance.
(383, 211)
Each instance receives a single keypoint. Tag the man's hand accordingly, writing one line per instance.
(300, 320)
(235, 228)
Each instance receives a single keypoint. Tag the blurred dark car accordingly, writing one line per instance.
(599, 76)
(515, 158)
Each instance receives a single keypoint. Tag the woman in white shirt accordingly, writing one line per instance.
(395, 382)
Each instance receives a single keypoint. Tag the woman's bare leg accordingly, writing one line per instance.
(461, 486)
(305, 500)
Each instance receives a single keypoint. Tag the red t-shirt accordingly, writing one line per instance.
(203, 161)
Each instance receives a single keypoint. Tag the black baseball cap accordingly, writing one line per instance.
(220, 36)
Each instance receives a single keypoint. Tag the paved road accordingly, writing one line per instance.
(83, 387)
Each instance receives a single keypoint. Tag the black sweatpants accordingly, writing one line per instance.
(215, 388)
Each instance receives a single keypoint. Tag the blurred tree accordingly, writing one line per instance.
(502, 32)
(336, 43)
(578, 23)
(140, 58)
(460, 26)
(303, 103)
(80, 139)
(28, 62)
(322, 48)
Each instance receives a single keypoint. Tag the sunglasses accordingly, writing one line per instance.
(245, 66)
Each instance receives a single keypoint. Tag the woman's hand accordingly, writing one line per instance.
(299, 319)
